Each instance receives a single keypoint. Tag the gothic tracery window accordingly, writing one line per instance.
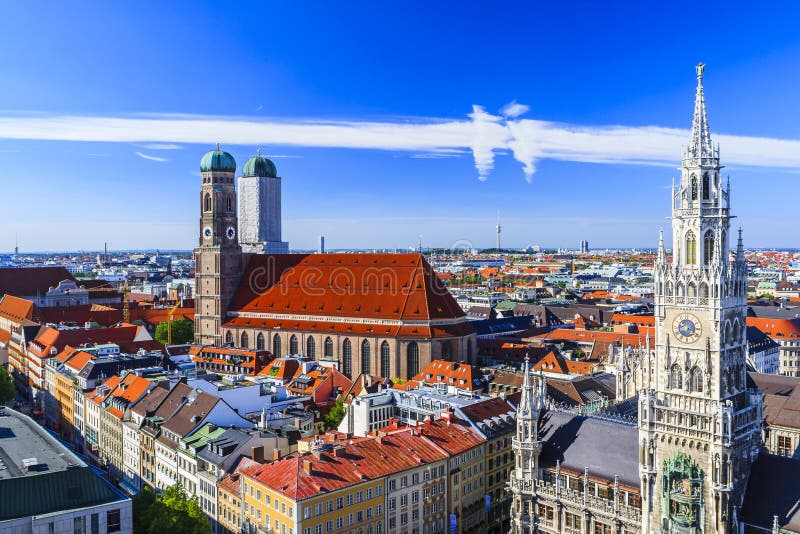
(706, 187)
(412, 359)
(207, 202)
(311, 348)
(694, 188)
(276, 346)
(708, 247)
(365, 357)
(260, 344)
(347, 358)
(385, 361)
(293, 348)
(245, 340)
(228, 338)
(675, 376)
(328, 347)
(691, 248)
(696, 380)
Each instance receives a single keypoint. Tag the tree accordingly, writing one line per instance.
(172, 511)
(182, 331)
(335, 416)
(7, 389)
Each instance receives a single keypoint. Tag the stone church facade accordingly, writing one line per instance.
(693, 462)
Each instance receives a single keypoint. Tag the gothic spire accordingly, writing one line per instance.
(526, 401)
(740, 248)
(662, 253)
(700, 144)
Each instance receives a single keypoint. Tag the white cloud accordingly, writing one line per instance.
(162, 146)
(151, 158)
(514, 109)
(482, 134)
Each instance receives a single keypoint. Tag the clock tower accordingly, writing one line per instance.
(218, 257)
(699, 425)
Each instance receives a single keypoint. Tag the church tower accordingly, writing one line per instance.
(699, 425)
(218, 258)
(527, 446)
(260, 208)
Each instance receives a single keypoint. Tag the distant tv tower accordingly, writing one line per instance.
(16, 244)
(499, 229)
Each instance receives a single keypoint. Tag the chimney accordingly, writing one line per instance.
(307, 467)
(276, 455)
(338, 451)
(257, 454)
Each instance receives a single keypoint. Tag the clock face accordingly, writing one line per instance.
(687, 328)
(230, 232)
(207, 232)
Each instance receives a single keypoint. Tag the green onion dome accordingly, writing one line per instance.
(217, 161)
(259, 166)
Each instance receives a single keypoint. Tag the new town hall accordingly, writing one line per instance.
(691, 463)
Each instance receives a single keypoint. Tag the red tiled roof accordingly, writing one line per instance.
(351, 462)
(16, 309)
(776, 328)
(31, 281)
(386, 286)
(460, 375)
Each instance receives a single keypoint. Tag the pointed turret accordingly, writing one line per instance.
(700, 145)
(662, 253)
(740, 248)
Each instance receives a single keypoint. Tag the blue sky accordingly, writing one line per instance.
(368, 109)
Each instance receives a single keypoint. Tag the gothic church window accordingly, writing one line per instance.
(691, 248)
(703, 290)
(207, 202)
(328, 347)
(260, 345)
(228, 338)
(347, 358)
(245, 340)
(229, 202)
(293, 348)
(365, 357)
(385, 368)
(694, 188)
(412, 359)
(706, 187)
(276, 346)
(311, 348)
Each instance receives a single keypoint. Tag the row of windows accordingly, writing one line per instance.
(412, 352)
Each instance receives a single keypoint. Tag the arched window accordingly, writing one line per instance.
(207, 202)
(691, 248)
(328, 348)
(347, 358)
(245, 340)
(228, 338)
(706, 187)
(385, 360)
(276, 346)
(669, 289)
(675, 377)
(708, 247)
(293, 348)
(447, 350)
(229, 203)
(703, 290)
(694, 188)
(310, 347)
(696, 380)
(412, 359)
(365, 357)
(260, 344)
(691, 290)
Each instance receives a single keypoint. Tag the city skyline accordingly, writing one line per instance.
(389, 143)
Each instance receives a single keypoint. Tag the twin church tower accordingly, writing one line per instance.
(229, 229)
